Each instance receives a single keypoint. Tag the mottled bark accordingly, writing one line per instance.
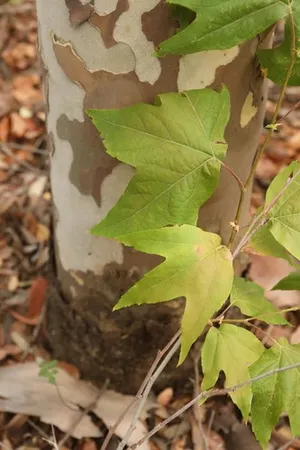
(103, 59)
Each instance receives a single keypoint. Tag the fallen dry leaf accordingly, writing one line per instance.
(37, 296)
(32, 321)
(4, 129)
(13, 283)
(20, 55)
(16, 422)
(70, 369)
(165, 396)
(23, 391)
(9, 349)
(88, 444)
(42, 232)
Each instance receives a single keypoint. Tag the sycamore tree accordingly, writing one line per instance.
(155, 110)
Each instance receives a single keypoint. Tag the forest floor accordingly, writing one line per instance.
(25, 216)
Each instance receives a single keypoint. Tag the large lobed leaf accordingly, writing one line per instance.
(222, 24)
(250, 299)
(277, 393)
(276, 61)
(176, 147)
(197, 267)
(231, 349)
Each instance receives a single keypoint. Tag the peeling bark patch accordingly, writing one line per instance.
(78, 12)
(129, 30)
(86, 41)
(198, 70)
(106, 24)
(248, 111)
(90, 163)
(102, 88)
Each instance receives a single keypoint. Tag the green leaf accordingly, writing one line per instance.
(197, 267)
(231, 349)
(280, 180)
(222, 24)
(276, 393)
(284, 216)
(276, 61)
(265, 244)
(48, 369)
(250, 298)
(289, 283)
(176, 148)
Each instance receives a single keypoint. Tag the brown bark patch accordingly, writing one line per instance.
(91, 164)
(78, 13)
(156, 24)
(106, 24)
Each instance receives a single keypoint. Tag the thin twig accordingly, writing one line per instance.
(197, 413)
(272, 126)
(261, 218)
(211, 393)
(117, 423)
(54, 442)
(139, 394)
(295, 106)
(5, 149)
(82, 415)
(25, 148)
(237, 178)
(287, 445)
(37, 428)
(172, 348)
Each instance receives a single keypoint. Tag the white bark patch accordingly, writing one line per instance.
(86, 41)
(77, 213)
(248, 110)
(103, 7)
(198, 70)
(128, 29)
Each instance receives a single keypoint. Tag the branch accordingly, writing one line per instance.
(272, 127)
(207, 394)
(143, 391)
(171, 351)
(200, 433)
(261, 219)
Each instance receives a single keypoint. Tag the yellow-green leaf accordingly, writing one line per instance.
(231, 349)
(196, 267)
(277, 393)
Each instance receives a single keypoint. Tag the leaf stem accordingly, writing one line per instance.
(272, 127)
(211, 393)
(237, 178)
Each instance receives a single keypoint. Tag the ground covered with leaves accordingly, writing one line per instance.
(57, 408)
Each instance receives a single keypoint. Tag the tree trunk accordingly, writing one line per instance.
(100, 56)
